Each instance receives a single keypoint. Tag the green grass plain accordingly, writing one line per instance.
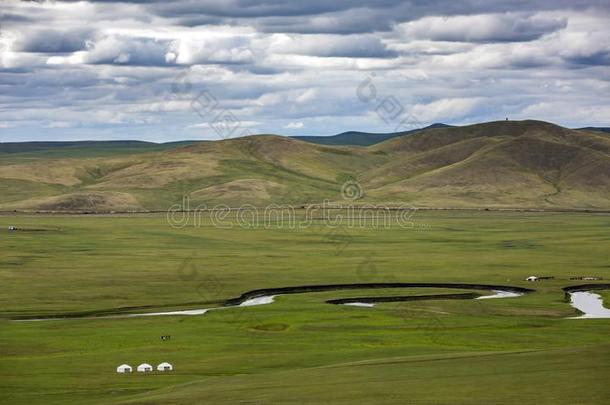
(300, 349)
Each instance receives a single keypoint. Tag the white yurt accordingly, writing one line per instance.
(144, 368)
(124, 368)
(165, 366)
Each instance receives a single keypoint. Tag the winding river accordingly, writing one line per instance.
(266, 296)
(581, 298)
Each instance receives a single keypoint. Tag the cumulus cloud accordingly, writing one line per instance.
(510, 27)
(118, 50)
(214, 50)
(587, 48)
(127, 50)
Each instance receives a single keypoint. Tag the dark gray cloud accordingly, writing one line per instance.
(351, 21)
(13, 17)
(600, 58)
(257, 8)
(53, 41)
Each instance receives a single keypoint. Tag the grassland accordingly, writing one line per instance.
(300, 348)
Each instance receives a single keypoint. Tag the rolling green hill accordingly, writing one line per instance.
(530, 164)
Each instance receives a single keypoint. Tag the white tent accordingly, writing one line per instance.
(144, 368)
(165, 366)
(124, 368)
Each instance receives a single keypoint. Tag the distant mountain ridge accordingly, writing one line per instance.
(596, 129)
(500, 164)
(357, 138)
(129, 146)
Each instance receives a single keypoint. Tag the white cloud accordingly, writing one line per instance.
(294, 125)
(507, 27)
(210, 50)
(548, 110)
(308, 96)
(61, 124)
(242, 124)
(354, 46)
(445, 109)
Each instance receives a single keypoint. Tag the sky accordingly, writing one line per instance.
(212, 69)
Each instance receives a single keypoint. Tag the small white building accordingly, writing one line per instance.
(124, 368)
(532, 278)
(165, 366)
(144, 368)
